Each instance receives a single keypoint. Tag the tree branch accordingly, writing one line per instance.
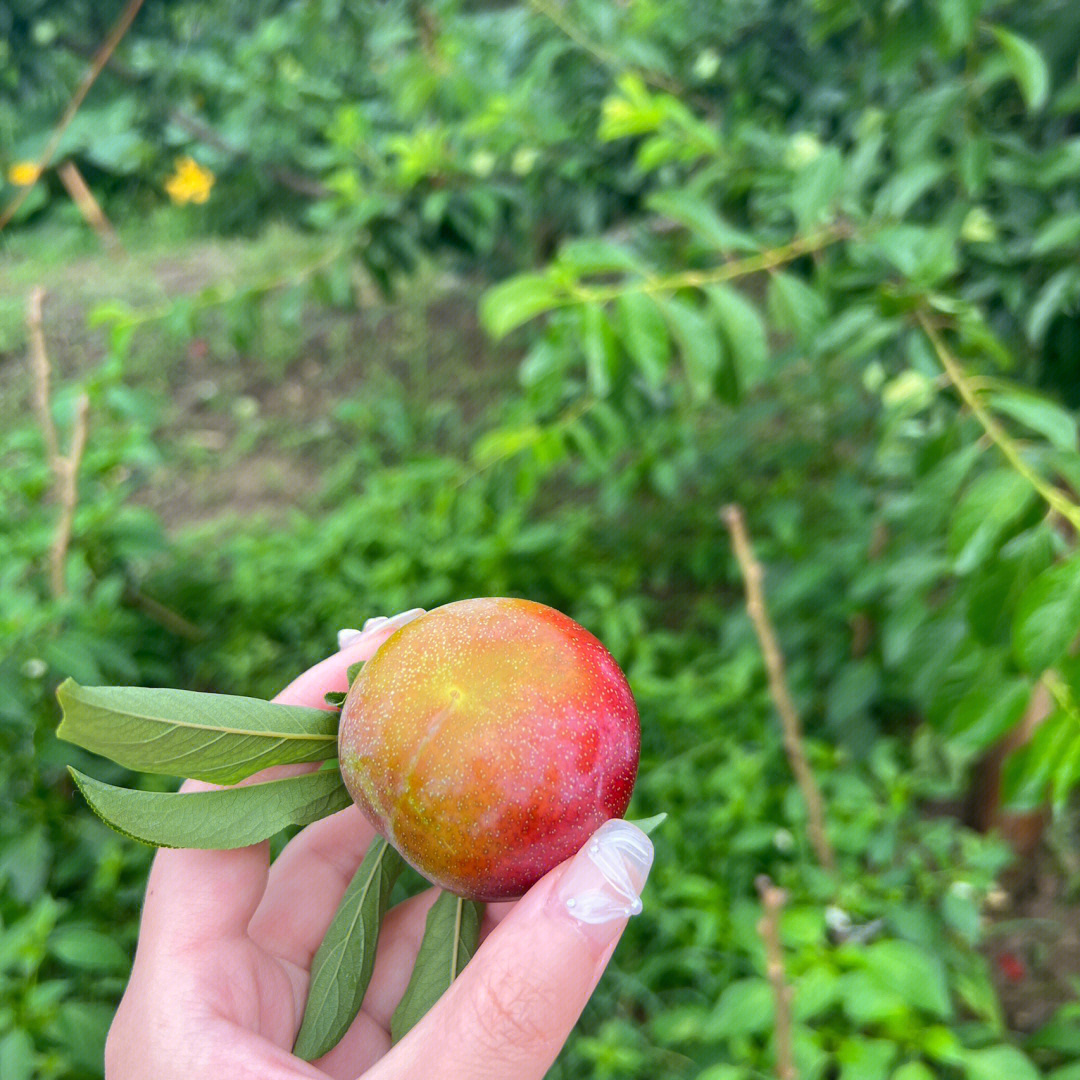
(65, 468)
(778, 687)
(88, 80)
(768, 927)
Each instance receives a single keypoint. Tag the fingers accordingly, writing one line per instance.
(309, 878)
(198, 896)
(306, 884)
(508, 1014)
(330, 675)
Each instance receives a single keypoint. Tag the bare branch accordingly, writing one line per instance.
(88, 80)
(65, 469)
(778, 686)
(39, 366)
(68, 493)
(768, 927)
(89, 207)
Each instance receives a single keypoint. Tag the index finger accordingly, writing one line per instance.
(199, 896)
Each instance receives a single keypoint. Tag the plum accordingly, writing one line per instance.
(487, 740)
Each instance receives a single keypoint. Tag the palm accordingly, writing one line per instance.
(248, 933)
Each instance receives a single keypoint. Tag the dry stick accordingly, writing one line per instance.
(768, 927)
(65, 469)
(68, 490)
(774, 664)
(89, 207)
(88, 80)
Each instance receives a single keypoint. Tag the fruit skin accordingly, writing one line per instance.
(487, 740)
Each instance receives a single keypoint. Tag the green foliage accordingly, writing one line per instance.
(342, 967)
(236, 817)
(783, 261)
(451, 934)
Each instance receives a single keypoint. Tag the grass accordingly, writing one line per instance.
(249, 399)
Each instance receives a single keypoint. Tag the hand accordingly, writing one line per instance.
(221, 971)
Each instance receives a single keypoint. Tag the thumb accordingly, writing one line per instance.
(508, 1014)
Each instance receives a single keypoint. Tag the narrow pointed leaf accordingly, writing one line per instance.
(1027, 65)
(342, 967)
(650, 824)
(451, 935)
(230, 818)
(212, 737)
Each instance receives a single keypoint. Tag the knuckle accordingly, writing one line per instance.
(512, 1011)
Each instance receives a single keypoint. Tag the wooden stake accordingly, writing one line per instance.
(89, 207)
(65, 468)
(778, 687)
(768, 927)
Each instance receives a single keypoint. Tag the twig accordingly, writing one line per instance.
(65, 468)
(1054, 498)
(729, 271)
(768, 927)
(68, 490)
(88, 80)
(778, 687)
(89, 207)
(171, 620)
(39, 366)
(606, 59)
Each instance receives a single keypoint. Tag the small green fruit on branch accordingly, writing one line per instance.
(487, 740)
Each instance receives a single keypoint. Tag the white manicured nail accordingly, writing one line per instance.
(603, 883)
(350, 636)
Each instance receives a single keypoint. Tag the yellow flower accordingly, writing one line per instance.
(190, 182)
(23, 173)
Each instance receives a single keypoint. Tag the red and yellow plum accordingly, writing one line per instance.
(487, 740)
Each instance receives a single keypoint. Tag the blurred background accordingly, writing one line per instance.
(354, 306)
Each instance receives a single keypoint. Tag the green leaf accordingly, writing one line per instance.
(451, 936)
(794, 306)
(598, 343)
(17, 1055)
(645, 336)
(699, 345)
(1029, 771)
(88, 949)
(912, 973)
(745, 1007)
(1027, 66)
(1053, 297)
(1048, 616)
(1061, 232)
(743, 331)
(706, 226)
(997, 1063)
(595, 255)
(988, 711)
(230, 818)
(1053, 422)
(650, 824)
(992, 503)
(511, 303)
(342, 967)
(212, 737)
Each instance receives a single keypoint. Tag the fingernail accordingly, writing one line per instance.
(349, 636)
(603, 883)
